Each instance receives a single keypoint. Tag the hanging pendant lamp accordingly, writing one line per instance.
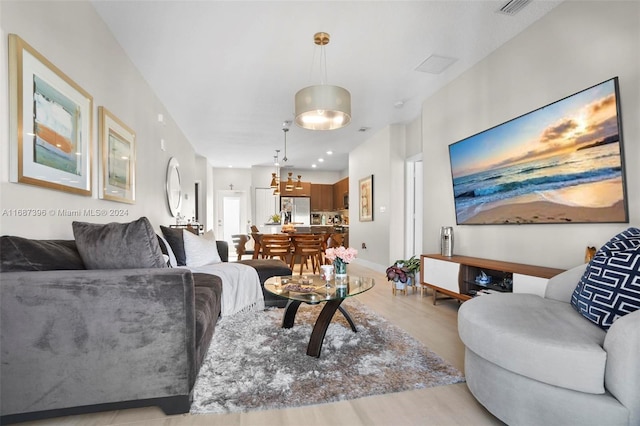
(322, 107)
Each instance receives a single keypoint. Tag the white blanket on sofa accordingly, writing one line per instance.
(241, 290)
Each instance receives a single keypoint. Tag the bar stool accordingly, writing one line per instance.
(275, 245)
(307, 247)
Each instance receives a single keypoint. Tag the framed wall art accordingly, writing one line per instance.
(365, 200)
(118, 159)
(50, 123)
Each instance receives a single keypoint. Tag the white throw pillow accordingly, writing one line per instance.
(173, 263)
(202, 250)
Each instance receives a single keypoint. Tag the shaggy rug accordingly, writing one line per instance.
(254, 364)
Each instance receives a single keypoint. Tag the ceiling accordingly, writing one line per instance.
(227, 71)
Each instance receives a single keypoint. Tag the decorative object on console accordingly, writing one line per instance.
(366, 199)
(322, 107)
(340, 256)
(52, 123)
(118, 159)
(446, 241)
(173, 187)
(610, 286)
(589, 253)
(562, 163)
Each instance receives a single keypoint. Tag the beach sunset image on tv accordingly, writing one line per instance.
(562, 163)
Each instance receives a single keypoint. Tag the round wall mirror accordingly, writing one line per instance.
(174, 191)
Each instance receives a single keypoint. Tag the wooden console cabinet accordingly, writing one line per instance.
(457, 276)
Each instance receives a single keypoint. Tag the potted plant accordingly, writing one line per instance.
(403, 272)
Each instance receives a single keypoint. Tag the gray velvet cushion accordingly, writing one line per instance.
(176, 241)
(208, 299)
(539, 338)
(118, 245)
(22, 254)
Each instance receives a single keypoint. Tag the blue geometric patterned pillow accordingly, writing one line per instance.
(610, 286)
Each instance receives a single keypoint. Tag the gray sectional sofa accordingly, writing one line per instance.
(101, 323)
(76, 340)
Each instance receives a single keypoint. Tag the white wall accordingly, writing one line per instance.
(73, 37)
(575, 46)
(383, 157)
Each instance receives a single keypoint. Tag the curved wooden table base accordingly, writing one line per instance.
(321, 325)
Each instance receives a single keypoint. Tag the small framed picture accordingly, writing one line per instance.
(366, 199)
(118, 159)
(50, 123)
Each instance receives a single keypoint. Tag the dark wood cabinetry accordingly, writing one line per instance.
(304, 192)
(341, 194)
(321, 197)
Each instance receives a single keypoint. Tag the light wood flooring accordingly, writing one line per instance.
(435, 326)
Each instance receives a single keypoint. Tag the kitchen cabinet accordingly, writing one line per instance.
(341, 194)
(304, 192)
(321, 197)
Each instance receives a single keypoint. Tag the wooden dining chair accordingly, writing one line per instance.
(307, 247)
(239, 242)
(275, 245)
(335, 240)
(257, 245)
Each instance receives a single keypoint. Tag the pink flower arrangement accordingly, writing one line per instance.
(346, 255)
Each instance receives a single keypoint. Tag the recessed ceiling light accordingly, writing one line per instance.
(321, 159)
(329, 152)
(230, 166)
(314, 166)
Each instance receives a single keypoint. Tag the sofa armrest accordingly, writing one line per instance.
(223, 250)
(562, 285)
(85, 337)
(622, 374)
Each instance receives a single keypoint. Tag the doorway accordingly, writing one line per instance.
(414, 199)
(232, 215)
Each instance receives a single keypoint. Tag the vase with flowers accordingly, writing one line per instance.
(340, 256)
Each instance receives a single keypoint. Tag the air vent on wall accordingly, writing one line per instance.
(512, 7)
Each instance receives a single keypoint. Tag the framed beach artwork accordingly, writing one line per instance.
(118, 159)
(50, 123)
(366, 199)
(562, 163)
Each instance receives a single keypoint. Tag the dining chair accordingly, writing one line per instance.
(307, 247)
(257, 245)
(239, 242)
(276, 245)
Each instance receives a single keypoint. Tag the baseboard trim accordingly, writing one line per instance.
(170, 405)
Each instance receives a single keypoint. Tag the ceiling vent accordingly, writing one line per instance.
(512, 7)
(435, 64)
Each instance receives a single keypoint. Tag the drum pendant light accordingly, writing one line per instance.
(322, 107)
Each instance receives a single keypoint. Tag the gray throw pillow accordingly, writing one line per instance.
(176, 241)
(118, 245)
(23, 254)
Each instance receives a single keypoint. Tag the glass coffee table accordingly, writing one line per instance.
(311, 289)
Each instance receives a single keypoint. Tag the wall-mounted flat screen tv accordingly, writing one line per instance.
(562, 163)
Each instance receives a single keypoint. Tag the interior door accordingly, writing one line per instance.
(232, 215)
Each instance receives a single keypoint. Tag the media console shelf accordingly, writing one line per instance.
(460, 276)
